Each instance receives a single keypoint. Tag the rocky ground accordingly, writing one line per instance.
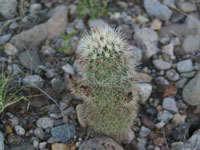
(165, 39)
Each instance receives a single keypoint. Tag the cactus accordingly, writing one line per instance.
(106, 81)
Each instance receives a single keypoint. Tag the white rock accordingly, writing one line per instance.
(170, 104)
(68, 69)
(19, 130)
(185, 66)
(145, 90)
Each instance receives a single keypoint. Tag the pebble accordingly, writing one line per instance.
(186, 6)
(137, 53)
(100, 143)
(79, 24)
(64, 133)
(14, 139)
(59, 146)
(155, 8)
(141, 143)
(1, 141)
(144, 132)
(45, 122)
(68, 69)
(80, 109)
(181, 83)
(145, 90)
(188, 74)
(24, 146)
(195, 139)
(128, 137)
(156, 24)
(161, 64)
(30, 59)
(172, 75)
(169, 104)
(38, 132)
(147, 40)
(35, 7)
(8, 8)
(50, 73)
(58, 85)
(191, 43)
(34, 80)
(42, 145)
(179, 119)
(5, 38)
(185, 66)
(164, 116)
(94, 23)
(52, 28)
(161, 81)
(141, 19)
(10, 49)
(19, 130)
(122, 4)
(191, 92)
(13, 26)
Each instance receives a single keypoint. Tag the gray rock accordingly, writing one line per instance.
(10, 49)
(144, 132)
(147, 40)
(191, 92)
(100, 143)
(185, 65)
(161, 65)
(38, 132)
(19, 130)
(191, 43)
(1, 141)
(35, 7)
(13, 26)
(45, 122)
(193, 21)
(188, 74)
(141, 143)
(186, 6)
(161, 81)
(94, 23)
(145, 91)
(5, 38)
(58, 85)
(79, 24)
(24, 146)
(137, 53)
(68, 69)
(67, 98)
(127, 137)
(180, 83)
(34, 80)
(176, 17)
(30, 59)
(195, 139)
(64, 133)
(50, 73)
(155, 8)
(8, 8)
(52, 28)
(172, 75)
(170, 104)
(80, 109)
(164, 116)
(169, 3)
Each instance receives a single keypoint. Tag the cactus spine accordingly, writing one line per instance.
(105, 81)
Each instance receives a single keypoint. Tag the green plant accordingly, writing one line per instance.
(67, 39)
(106, 81)
(7, 95)
(93, 8)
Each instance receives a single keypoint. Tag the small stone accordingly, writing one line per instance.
(8, 8)
(141, 143)
(141, 19)
(30, 59)
(195, 139)
(45, 122)
(64, 133)
(164, 116)
(80, 109)
(191, 92)
(161, 81)
(59, 146)
(161, 65)
(137, 53)
(145, 90)
(181, 83)
(186, 6)
(185, 66)
(179, 119)
(38, 132)
(68, 69)
(94, 23)
(147, 40)
(1, 141)
(57, 85)
(100, 143)
(158, 141)
(170, 104)
(19, 130)
(144, 132)
(168, 51)
(191, 43)
(14, 139)
(10, 49)
(172, 75)
(42, 145)
(156, 24)
(122, 4)
(5, 38)
(188, 74)
(79, 24)
(24, 146)
(155, 8)
(34, 80)
(128, 137)
(13, 26)
(50, 73)
(35, 7)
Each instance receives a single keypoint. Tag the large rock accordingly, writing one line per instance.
(100, 143)
(155, 8)
(8, 8)
(191, 43)
(191, 91)
(147, 40)
(53, 27)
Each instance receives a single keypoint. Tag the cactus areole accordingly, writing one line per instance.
(105, 81)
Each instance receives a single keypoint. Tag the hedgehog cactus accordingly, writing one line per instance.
(105, 81)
